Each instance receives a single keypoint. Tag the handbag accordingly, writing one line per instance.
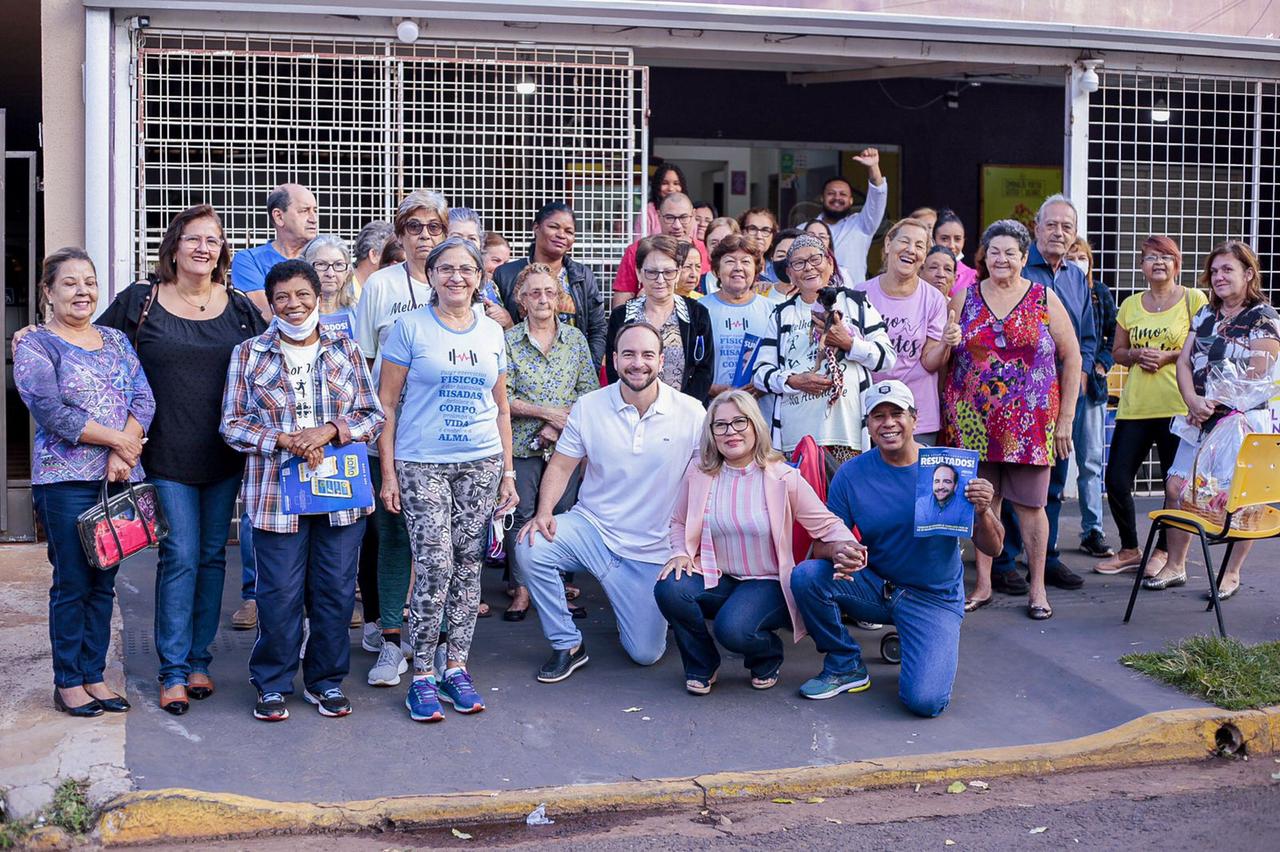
(121, 525)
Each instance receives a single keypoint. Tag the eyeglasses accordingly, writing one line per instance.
(413, 228)
(758, 230)
(194, 241)
(325, 266)
(656, 275)
(813, 261)
(724, 427)
(998, 328)
(447, 272)
(671, 220)
(1153, 258)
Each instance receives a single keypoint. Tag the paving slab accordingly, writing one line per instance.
(1020, 682)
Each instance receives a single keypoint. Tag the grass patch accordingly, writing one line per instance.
(12, 834)
(70, 809)
(1225, 672)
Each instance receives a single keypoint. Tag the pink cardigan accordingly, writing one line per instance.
(789, 499)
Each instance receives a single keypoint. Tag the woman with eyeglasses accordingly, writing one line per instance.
(184, 327)
(731, 532)
(759, 226)
(420, 225)
(330, 257)
(822, 231)
(688, 346)
(446, 460)
(1011, 395)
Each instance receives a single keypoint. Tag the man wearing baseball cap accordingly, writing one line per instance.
(892, 577)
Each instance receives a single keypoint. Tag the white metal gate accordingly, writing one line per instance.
(1191, 157)
(500, 128)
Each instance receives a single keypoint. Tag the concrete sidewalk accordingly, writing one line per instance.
(1020, 682)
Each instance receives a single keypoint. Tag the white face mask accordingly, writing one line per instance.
(1082, 265)
(302, 330)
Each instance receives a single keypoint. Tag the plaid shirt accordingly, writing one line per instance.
(258, 405)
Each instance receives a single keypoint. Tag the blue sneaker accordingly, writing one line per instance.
(458, 691)
(423, 702)
(829, 686)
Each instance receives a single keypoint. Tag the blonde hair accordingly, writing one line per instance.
(711, 461)
(522, 279)
(905, 223)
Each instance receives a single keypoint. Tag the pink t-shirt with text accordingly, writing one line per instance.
(912, 321)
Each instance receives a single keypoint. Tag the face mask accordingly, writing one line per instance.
(302, 330)
(1082, 265)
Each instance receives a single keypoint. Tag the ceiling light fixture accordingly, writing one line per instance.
(407, 31)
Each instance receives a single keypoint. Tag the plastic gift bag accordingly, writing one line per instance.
(121, 525)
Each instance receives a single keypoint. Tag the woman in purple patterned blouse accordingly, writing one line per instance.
(92, 405)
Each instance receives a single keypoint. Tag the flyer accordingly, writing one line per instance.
(341, 481)
(746, 360)
(941, 507)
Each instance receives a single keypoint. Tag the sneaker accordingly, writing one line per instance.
(246, 617)
(829, 686)
(1063, 577)
(371, 637)
(561, 664)
(270, 708)
(1009, 582)
(390, 665)
(1096, 546)
(699, 685)
(331, 702)
(423, 701)
(457, 689)
(869, 625)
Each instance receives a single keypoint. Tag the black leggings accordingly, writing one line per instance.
(1130, 444)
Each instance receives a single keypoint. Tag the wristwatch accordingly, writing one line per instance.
(508, 474)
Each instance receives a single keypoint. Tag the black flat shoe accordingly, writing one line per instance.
(515, 614)
(84, 711)
(1009, 582)
(562, 664)
(115, 704)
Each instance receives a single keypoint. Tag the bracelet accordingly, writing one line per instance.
(508, 474)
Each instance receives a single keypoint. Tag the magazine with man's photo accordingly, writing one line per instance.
(941, 507)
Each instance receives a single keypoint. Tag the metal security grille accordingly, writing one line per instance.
(499, 128)
(1205, 173)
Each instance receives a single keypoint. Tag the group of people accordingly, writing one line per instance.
(502, 409)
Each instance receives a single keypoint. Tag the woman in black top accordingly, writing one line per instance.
(184, 325)
(688, 349)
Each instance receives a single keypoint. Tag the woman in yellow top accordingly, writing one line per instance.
(1150, 330)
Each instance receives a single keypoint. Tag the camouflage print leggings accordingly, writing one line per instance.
(447, 508)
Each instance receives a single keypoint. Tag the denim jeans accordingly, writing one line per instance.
(928, 627)
(628, 583)
(746, 615)
(315, 569)
(1088, 436)
(528, 483)
(190, 573)
(81, 597)
(248, 565)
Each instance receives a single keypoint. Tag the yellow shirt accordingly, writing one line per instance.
(1148, 395)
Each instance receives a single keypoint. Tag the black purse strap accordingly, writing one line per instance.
(106, 512)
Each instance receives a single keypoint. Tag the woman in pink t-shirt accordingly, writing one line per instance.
(949, 232)
(916, 317)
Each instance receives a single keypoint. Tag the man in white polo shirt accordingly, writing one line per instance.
(637, 436)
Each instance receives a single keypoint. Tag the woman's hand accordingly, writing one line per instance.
(1149, 359)
(508, 499)
(18, 335)
(1199, 410)
(678, 564)
(313, 457)
(838, 336)
(813, 383)
(850, 558)
(128, 446)
(557, 418)
(1062, 439)
(951, 335)
(390, 494)
(498, 314)
(549, 434)
(118, 469)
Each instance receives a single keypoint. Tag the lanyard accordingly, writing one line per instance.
(408, 279)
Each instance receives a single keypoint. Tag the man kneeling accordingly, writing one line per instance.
(893, 577)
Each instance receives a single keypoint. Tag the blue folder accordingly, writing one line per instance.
(340, 482)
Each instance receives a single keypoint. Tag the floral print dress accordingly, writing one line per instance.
(1001, 396)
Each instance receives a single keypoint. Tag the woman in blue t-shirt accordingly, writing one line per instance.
(446, 462)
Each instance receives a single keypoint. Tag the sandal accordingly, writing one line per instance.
(513, 614)
(199, 686)
(765, 682)
(483, 611)
(1039, 613)
(699, 685)
(971, 604)
(173, 699)
(571, 593)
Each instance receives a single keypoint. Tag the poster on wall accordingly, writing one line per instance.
(1016, 192)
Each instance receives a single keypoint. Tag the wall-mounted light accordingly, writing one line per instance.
(1089, 80)
(407, 31)
(526, 87)
(1160, 112)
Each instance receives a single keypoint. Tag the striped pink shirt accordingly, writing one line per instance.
(738, 522)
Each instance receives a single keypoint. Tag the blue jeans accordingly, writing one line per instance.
(928, 627)
(189, 576)
(81, 597)
(1087, 435)
(313, 568)
(248, 565)
(628, 583)
(746, 616)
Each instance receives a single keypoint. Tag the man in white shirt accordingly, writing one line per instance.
(851, 233)
(637, 436)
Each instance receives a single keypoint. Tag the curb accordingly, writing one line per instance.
(1166, 737)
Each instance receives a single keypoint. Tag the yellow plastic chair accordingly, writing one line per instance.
(1256, 482)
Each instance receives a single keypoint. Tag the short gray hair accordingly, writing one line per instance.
(448, 245)
(371, 238)
(421, 199)
(1057, 198)
(466, 214)
(675, 196)
(1007, 228)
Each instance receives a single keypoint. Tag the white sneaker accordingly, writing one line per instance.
(869, 625)
(390, 665)
(371, 637)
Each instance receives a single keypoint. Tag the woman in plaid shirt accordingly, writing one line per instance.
(296, 389)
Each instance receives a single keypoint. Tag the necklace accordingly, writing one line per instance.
(191, 303)
(1157, 306)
